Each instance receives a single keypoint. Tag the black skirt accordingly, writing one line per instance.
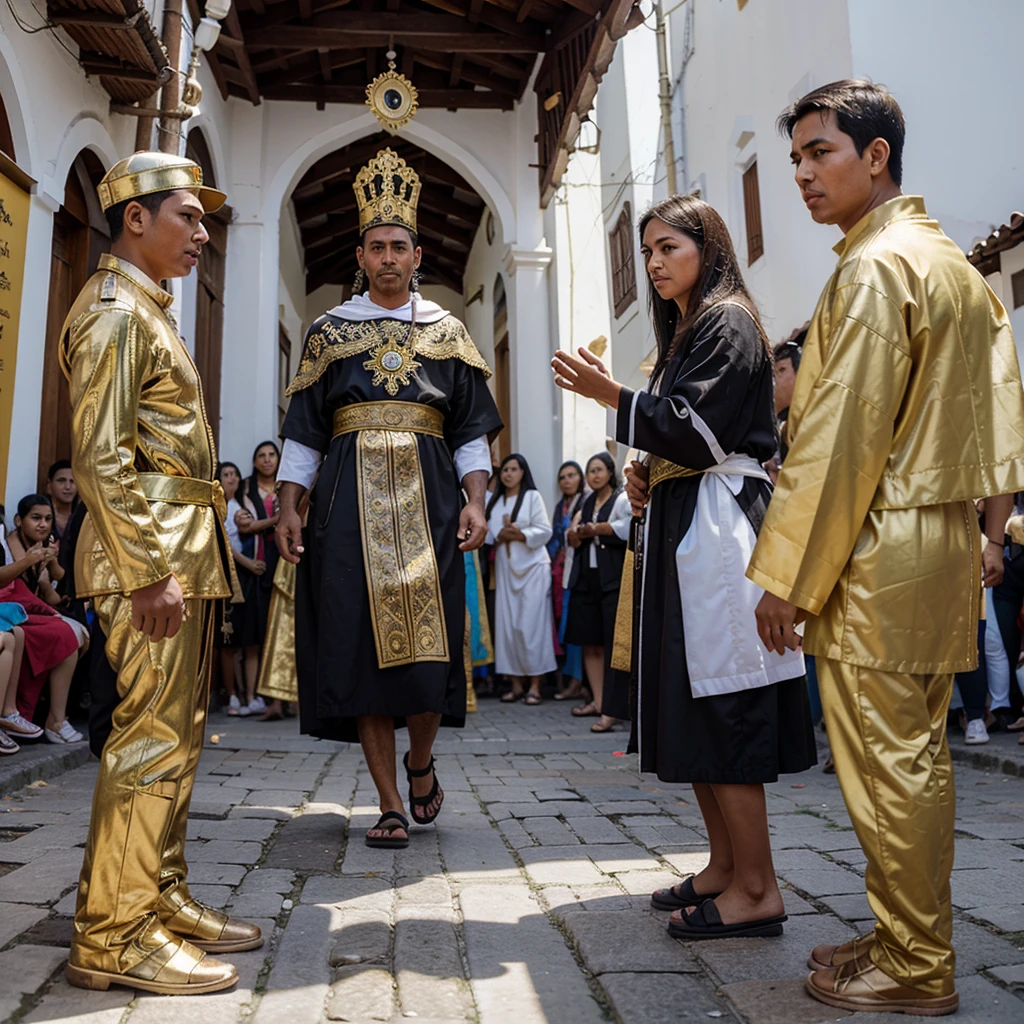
(591, 623)
(752, 736)
(247, 621)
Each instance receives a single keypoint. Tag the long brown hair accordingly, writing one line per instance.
(719, 279)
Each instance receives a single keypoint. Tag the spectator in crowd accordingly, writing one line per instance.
(787, 362)
(1004, 612)
(33, 528)
(598, 538)
(260, 488)
(63, 494)
(51, 652)
(12, 649)
(715, 708)
(518, 526)
(573, 491)
(245, 636)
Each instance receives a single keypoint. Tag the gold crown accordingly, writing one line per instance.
(387, 190)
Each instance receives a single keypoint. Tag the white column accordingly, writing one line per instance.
(23, 454)
(532, 390)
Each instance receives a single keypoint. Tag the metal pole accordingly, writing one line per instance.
(169, 129)
(665, 98)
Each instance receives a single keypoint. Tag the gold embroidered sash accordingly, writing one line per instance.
(661, 470)
(404, 585)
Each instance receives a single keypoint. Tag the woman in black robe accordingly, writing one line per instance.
(715, 708)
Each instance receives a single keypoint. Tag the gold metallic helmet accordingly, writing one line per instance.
(143, 173)
(387, 190)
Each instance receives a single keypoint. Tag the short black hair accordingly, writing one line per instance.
(788, 350)
(864, 111)
(152, 201)
(412, 234)
(57, 467)
(30, 501)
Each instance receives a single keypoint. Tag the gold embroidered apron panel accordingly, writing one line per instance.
(402, 577)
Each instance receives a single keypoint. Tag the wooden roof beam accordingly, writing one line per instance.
(241, 55)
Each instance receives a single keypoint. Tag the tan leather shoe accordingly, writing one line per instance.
(824, 957)
(155, 961)
(861, 985)
(205, 927)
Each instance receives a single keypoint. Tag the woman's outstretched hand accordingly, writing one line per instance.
(586, 376)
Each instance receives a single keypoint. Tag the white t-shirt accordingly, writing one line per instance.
(234, 539)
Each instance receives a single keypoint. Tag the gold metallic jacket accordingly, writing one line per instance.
(142, 450)
(907, 405)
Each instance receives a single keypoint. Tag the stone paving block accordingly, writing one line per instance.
(354, 893)
(252, 829)
(854, 907)
(779, 1002)
(262, 879)
(250, 905)
(35, 844)
(993, 829)
(64, 1003)
(624, 941)
(690, 861)
(560, 899)
(16, 918)
(612, 807)
(825, 881)
(44, 880)
(520, 967)
(275, 813)
(796, 904)
(541, 810)
(1012, 976)
(643, 883)
(362, 934)
(978, 949)
(223, 851)
(560, 865)
(980, 853)
(550, 832)
(423, 892)
(285, 799)
(429, 969)
(423, 855)
(749, 959)
(476, 856)
(662, 998)
(23, 969)
(1007, 916)
(514, 833)
(205, 873)
(212, 895)
(361, 859)
(310, 842)
(596, 830)
(361, 994)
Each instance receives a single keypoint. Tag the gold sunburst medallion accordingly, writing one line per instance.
(391, 366)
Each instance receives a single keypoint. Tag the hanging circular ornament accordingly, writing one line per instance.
(392, 98)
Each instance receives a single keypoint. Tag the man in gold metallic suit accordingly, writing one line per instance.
(907, 406)
(152, 555)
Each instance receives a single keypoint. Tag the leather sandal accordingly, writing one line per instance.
(706, 923)
(418, 802)
(680, 896)
(860, 985)
(389, 841)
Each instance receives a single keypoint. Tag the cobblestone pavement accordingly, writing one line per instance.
(528, 904)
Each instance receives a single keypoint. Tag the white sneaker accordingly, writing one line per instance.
(976, 731)
(20, 726)
(235, 706)
(257, 706)
(67, 733)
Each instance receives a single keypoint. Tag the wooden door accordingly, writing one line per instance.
(210, 316)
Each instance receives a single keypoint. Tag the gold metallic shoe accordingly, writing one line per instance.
(861, 985)
(206, 928)
(153, 961)
(824, 957)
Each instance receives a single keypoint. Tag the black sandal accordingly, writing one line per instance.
(706, 923)
(416, 802)
(390, 842)
(680, 896)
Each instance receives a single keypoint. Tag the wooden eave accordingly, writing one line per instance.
(985, 255)
(117, 43)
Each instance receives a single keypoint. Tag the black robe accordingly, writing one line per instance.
(714, 396)
(338, 673)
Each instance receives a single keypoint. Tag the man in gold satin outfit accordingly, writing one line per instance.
(908, 404)
(147, 555)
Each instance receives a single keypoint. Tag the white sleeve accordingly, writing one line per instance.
(472, 456)
(299, 464)
(621, 517)
(537, 530)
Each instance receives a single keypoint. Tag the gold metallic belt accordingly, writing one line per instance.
(409, 416)
(662, 470)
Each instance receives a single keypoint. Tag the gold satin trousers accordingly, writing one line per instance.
(136, 844)
(887, 731)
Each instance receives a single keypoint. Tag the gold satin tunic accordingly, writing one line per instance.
(908, 404)
(138, 410)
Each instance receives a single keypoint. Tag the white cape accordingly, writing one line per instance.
(360, 307)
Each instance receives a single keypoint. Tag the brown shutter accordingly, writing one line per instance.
(752, 210)
(620, 250)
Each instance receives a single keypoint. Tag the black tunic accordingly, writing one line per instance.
(338, 673)
(715, 396)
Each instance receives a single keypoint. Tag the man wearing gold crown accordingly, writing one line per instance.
(391, 407)
(152, 556)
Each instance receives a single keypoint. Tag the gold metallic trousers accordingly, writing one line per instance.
(136, 845)
(887, 731)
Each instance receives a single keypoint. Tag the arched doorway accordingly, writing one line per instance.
(502, 368)
(6, 136)
(209, 328)
(80, 237)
